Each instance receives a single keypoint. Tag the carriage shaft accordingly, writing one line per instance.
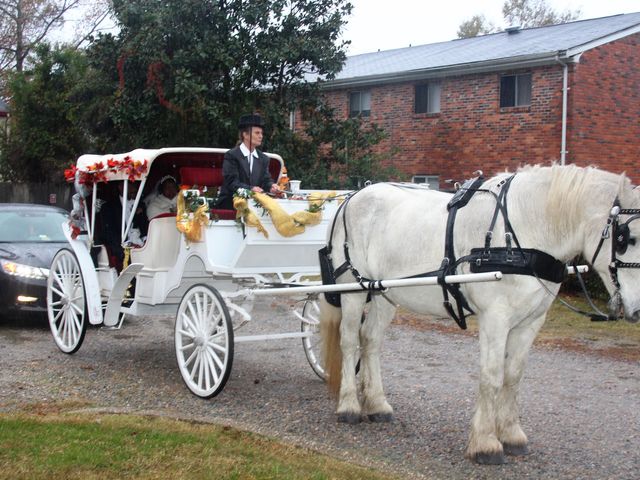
(379, 284)
(272, 336)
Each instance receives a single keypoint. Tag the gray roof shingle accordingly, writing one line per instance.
(494, 48)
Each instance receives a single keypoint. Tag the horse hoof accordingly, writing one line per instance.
(381, 417)
(515, 450)
(350, 418)
(493, 458)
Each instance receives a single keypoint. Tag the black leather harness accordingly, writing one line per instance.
(511, 259)
(621, 238)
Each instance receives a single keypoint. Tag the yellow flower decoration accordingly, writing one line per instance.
(285, 224)
(191, 224)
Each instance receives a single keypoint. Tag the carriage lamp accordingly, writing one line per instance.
(25, 271)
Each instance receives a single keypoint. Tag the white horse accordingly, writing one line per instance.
(394, 232)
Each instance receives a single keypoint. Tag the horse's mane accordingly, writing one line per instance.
(572, 187)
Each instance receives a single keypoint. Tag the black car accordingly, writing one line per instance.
(30, 235)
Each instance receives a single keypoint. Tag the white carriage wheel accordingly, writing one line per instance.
(312, 344)
(204, 341)
(66, 302)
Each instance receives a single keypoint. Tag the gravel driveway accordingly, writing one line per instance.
(581, 412)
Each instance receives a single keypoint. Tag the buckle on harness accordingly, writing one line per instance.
(487, 239)
(507, 239)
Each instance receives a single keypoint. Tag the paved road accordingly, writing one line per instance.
(582, 413)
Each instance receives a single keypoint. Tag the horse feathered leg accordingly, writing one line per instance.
(484, 446)
(519, 341)
(348, 409)
(375, 404)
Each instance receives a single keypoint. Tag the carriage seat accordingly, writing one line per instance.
(207, 177)
(160, 251)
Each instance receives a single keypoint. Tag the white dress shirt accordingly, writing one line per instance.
(248, 155)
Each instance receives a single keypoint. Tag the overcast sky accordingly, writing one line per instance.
(388, 24)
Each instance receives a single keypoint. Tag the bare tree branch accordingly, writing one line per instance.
(524, 13)
(26, 23)
(93, 23)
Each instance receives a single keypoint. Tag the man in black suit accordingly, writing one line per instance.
(245, 166)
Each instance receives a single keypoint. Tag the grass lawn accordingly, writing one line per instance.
(100, 446)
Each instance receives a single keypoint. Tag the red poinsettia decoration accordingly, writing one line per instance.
(98, 171)
(70, 173)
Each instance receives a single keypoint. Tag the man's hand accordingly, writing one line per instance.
(257, 189)
(275, 189)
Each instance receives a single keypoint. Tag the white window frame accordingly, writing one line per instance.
(432, 180)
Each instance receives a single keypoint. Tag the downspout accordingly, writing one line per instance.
(565, 94)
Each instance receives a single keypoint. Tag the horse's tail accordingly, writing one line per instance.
(330, 318)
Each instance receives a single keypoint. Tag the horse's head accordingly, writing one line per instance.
(617, 255)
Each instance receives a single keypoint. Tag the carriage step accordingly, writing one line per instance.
(114, 305)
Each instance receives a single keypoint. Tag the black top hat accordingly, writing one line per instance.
(252, 120)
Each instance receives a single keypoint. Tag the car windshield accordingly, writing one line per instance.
(32, 226)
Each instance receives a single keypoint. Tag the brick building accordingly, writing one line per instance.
(568, 93)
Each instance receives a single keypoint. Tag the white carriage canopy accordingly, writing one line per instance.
(96, 176)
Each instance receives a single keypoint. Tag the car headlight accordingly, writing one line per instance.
(25, 271)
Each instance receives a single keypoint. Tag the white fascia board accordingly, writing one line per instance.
(603, 40)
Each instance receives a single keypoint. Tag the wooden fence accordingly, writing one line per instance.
(41, 193)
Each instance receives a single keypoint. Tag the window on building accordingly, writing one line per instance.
(427, 98)
(432, 180)
(360, 104)
(515, 90)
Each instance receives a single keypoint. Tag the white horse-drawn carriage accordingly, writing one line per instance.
(206, 266)
(208, 283)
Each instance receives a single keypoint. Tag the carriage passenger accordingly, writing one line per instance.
(163, 199)
(112, 223)
(245, 166)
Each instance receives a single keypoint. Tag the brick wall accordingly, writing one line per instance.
(472, 132)
(605, 108)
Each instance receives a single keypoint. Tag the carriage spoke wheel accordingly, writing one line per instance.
(312, 344)
(204, 341)
(66, 303)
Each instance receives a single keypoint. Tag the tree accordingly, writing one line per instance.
(46, 133)
(535, 13)
(181, 72)
(186, 70)
(476, 25)
(524, 13)
(333, 152)
(26, 23)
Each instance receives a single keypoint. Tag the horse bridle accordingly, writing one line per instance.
(620, 240)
